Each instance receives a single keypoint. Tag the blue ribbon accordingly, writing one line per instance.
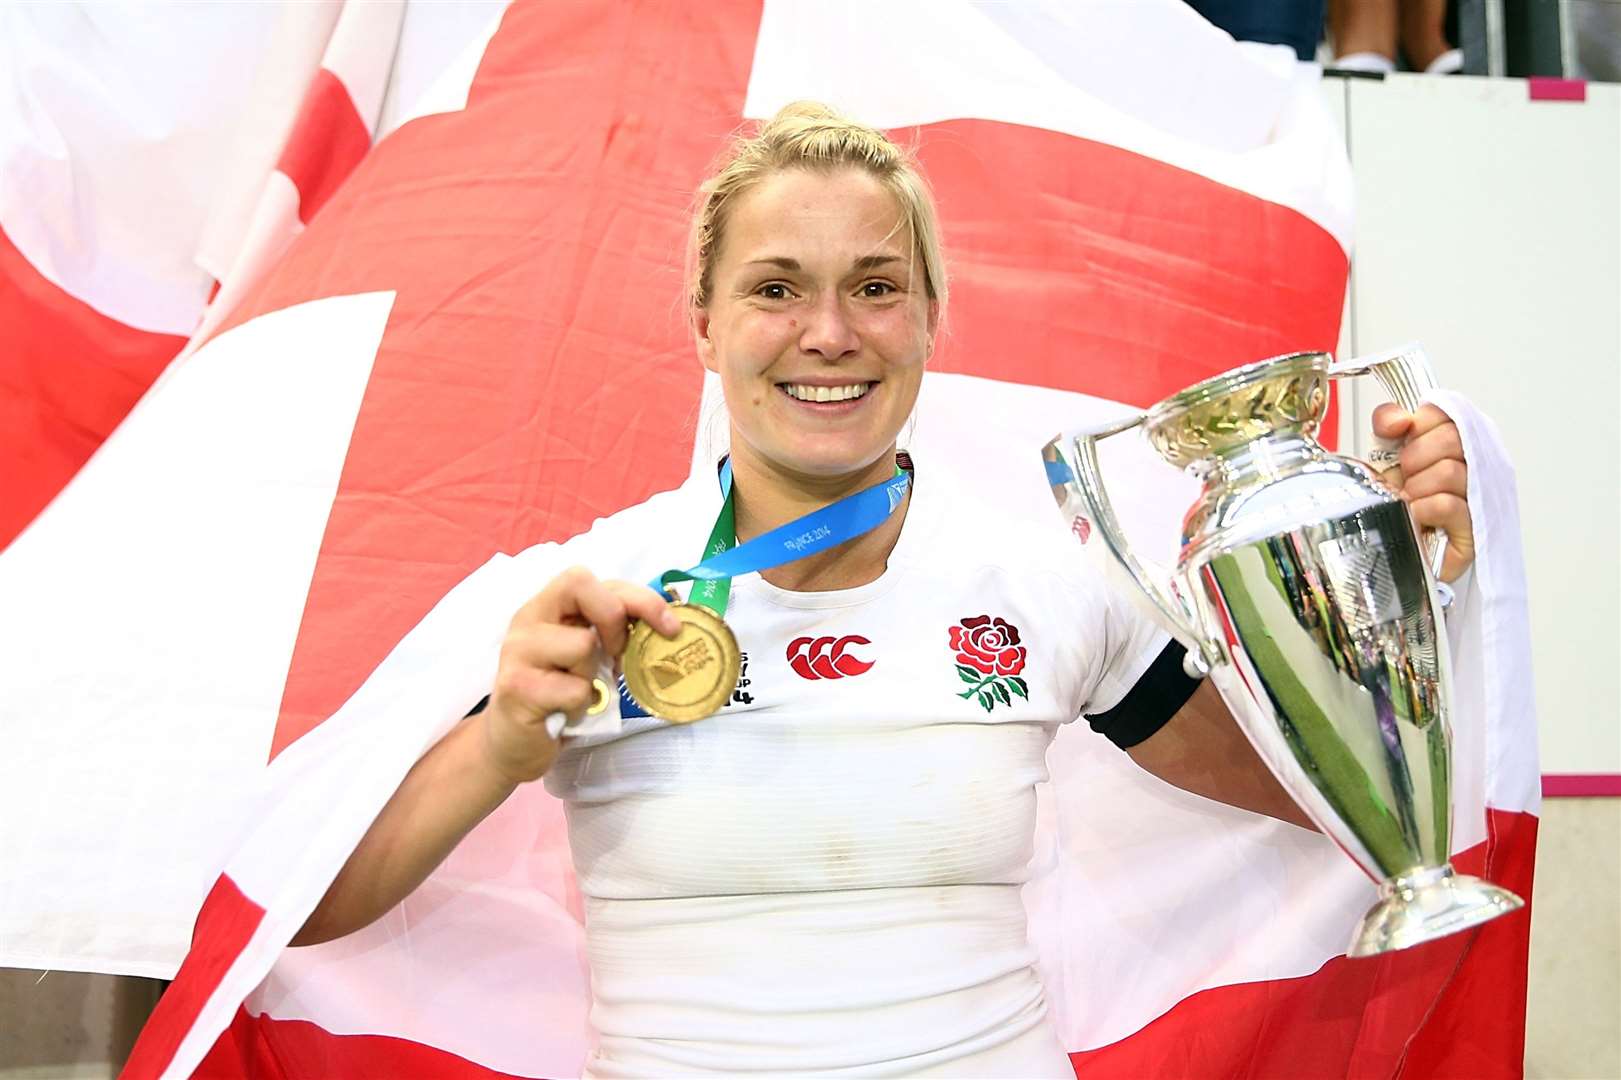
(832, 525)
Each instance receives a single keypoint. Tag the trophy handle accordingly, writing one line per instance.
(1150, 578)
(1406, 375)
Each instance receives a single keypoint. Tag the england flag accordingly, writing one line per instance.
(309, 312)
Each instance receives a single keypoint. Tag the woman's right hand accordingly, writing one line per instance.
(553, 649)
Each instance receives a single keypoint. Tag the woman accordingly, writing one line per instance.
(825, 877)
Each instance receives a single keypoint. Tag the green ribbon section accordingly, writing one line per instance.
(713, 593)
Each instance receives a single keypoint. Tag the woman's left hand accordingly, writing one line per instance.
(1433, 477)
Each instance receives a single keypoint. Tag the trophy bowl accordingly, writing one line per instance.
(1304, 591)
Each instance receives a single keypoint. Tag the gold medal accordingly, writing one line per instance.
(687, 677)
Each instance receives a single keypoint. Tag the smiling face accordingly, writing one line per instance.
(818, 325)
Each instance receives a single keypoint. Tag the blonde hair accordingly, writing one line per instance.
(810, 135)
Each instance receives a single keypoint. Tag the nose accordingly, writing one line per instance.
(827, 329)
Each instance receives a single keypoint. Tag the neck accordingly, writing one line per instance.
(766, 496)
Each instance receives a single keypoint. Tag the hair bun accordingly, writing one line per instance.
(808, 110)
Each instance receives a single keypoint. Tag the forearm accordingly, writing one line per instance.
(449, 791)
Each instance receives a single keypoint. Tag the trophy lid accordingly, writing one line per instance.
(1285, 394)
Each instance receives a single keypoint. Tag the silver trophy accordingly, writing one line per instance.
(1304, 591)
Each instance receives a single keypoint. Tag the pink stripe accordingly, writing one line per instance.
(1548, 88)
(1555, 785)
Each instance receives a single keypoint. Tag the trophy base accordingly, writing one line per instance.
(1427, 904)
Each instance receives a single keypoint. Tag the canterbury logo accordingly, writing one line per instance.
(825, 657)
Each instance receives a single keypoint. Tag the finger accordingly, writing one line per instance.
(601, 606)
(1427, 418)
(1390, 421)
(648, 605)
(566, 692)
(537, 693)
(1444, 511)
(1448, 476)
(611, 605)
(558, 601)
(1451, 515)
(1436, 444)
(549, 647)
(1454, 563)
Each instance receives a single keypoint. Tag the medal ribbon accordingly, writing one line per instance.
(724, 558)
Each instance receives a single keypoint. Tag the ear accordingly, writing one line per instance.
(932, 326)
(706, 344)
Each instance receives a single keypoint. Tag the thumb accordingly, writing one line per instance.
(1390, 421)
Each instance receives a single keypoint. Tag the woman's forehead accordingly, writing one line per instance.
(804, 216)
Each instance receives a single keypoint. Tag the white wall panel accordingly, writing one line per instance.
(1489, 228)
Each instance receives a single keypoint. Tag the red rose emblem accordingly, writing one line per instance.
(988, 645)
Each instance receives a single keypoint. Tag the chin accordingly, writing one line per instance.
(832, 464)
(823, 455)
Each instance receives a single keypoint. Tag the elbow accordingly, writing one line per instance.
(330, 920)
(319, 929)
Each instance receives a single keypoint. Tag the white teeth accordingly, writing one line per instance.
(827, 393)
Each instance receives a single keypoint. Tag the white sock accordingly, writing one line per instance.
(1365, 61)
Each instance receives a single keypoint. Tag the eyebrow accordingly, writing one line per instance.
(866, 262)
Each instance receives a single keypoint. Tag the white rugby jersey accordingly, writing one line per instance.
(824, 878)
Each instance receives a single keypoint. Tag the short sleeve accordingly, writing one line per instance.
(1130, 679)
(1157, 695)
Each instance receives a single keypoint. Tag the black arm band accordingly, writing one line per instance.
(1163, 689)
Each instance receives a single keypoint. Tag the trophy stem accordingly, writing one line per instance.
(1425, 904)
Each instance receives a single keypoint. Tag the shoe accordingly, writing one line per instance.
(1448, 63)
(1371, 62)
